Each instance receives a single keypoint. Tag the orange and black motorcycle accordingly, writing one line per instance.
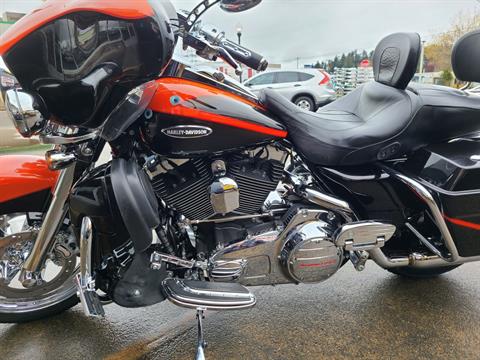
(209, 188)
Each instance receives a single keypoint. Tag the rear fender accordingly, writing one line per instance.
(25, 180)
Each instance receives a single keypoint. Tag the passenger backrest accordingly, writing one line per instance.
(466, 57)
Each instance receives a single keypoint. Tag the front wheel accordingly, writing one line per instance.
(421, 273)
(57, 292)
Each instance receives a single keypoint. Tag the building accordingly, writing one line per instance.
(8, 18)
(431, 78)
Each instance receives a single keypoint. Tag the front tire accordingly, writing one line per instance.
(57, 294)
(421, 273)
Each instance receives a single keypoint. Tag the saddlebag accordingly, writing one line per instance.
(451, 171)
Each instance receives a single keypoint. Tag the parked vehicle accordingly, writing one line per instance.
(307, 88)
(7, 80)
(211, 189)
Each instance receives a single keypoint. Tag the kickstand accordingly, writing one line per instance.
(201, 343)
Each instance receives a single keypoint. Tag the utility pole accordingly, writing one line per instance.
(297, 61)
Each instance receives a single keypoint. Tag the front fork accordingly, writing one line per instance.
(31, 271)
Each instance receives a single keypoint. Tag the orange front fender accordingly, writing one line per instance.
(21, 175)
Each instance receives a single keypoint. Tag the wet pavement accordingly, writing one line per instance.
(370, 315)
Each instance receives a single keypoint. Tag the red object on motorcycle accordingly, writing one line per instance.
(174, 96)
(22, 175)
(54, 9)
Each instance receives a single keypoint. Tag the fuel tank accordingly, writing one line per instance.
(187, 118)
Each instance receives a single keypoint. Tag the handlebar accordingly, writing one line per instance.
(244, 55)
(211, 43)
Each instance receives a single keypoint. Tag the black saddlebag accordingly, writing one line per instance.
(451, 171)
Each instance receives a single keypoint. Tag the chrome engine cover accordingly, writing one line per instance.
(260, 255)
(309, 254)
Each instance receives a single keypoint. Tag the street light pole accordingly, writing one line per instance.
(239, 35)
(422, 59)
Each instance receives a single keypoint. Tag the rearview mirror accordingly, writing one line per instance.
(238, 5)
(23, 110)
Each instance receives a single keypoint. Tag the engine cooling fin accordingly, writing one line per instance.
(185, 187)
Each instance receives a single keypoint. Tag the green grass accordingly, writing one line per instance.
(24, 149)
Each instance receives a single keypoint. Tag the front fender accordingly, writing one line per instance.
(24, 175)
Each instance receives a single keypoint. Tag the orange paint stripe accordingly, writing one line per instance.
(186, 88)
(196, 114)
(463, 223)
(189, 90)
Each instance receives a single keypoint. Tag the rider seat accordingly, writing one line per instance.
(382, 119)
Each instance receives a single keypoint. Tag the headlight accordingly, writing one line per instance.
(24, 111)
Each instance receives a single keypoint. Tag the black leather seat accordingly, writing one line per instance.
(381, 119)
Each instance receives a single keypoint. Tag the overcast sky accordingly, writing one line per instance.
(318, 29)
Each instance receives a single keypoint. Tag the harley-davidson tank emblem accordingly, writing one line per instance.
(187, 131)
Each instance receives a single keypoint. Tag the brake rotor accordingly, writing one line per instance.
(15, 249)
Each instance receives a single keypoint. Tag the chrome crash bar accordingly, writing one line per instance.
(416, 260)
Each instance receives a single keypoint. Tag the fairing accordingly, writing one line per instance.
(81, 57)
(21, 175)
(55, 9)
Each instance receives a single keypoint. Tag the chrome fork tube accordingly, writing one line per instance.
(30, 274)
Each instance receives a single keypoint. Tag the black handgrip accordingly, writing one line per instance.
(244, 55)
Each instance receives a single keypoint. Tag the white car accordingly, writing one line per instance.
(307, 88)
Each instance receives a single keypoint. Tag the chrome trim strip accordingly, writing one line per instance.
(92, 306)
(62, 140)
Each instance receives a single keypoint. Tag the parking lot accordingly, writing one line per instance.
(368, 315)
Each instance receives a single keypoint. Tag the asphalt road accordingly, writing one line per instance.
(368, 315)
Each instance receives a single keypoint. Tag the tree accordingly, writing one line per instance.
(347, 60)
(447, 77)
(439, 50)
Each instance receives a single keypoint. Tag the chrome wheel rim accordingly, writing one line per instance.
(17, 237)
(304, 104)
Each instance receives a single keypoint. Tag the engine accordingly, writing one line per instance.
(235, 184)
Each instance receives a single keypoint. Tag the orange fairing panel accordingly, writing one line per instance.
(21, 175)
(54, 9)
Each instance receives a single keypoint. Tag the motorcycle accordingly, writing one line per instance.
(211, 189)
